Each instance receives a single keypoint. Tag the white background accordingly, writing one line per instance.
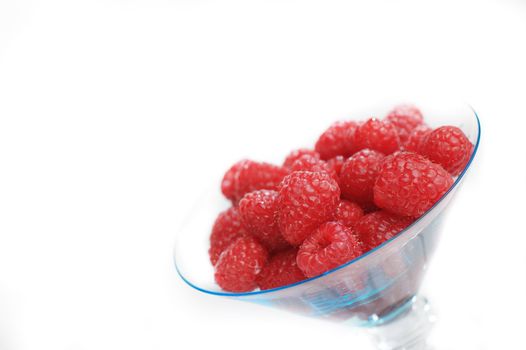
(114, 115)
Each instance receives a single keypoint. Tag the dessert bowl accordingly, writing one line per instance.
(378, 289)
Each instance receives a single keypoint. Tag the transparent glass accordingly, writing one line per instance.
(379, 289)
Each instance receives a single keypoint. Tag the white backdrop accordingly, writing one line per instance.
(114, 115)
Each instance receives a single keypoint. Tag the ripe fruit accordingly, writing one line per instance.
(375, 228)
(360, 185)
(405, 118)
(416, 139)
(247, 176)
(238, 266)
(449, 147)
(336, 164)
(348, 213)
(377, 135)
(228, 184)
(331, 245)
(358, 175)
(313, 164)
(258, 213)
(306, 200)
(408, 184)
(337, 140)
(280, 270)
(294, 155)
(227, 228)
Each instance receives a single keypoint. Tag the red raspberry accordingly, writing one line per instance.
(449, 147)
(306, 200)
(408, 184)
(375, 228)
(348, 213)
(377, 135)
(405, 118)
(336, 164)
(239, 265)
(294, 155)
(258, 214)
(247, 176)
(228, 184)
(280, 270)
(227, 228)
(358, 175)
(330, 246)
(310, 163)
(337, 140)
(416, 139)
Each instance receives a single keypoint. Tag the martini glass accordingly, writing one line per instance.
(378, 291)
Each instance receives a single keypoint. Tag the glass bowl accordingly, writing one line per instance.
(374, 289)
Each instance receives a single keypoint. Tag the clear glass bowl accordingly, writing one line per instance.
(371, 290)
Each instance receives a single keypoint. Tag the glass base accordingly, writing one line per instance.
(406, 328)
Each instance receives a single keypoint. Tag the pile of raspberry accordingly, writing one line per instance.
(361, 184)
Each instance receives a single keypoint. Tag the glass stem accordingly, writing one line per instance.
(409, 330)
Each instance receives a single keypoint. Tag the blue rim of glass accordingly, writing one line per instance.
(398, 235)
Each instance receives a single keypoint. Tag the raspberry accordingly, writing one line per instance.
(294, 155)
(336, 164)
(363, 183)
(405, 118)
(449, 147)
(331, 245)
(228, 184)
(377, 135)
(313, 164)
(258, 214)
(375, 228)
(358, 175)
(337, 140)
(306, 200)
(348, 213)
(416, 139)
(247, 176)
(280, 270)
(227, 228)
(408, 184)
(239, 265)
